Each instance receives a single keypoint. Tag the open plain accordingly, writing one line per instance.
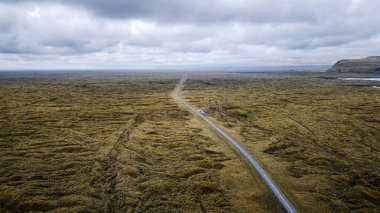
(318, 136)
(114, 143)
(90, 142)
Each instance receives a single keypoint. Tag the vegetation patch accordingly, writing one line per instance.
(106, 143)
(320, 132)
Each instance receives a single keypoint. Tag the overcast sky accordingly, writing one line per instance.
(160, 33)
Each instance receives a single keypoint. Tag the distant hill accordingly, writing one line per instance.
(364, 65)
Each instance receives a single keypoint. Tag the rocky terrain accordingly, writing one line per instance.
(113, 143)
(316, 135)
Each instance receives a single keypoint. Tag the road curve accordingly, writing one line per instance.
(271, 184)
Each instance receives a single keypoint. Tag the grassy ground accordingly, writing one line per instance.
(319, 137)
(115, 143)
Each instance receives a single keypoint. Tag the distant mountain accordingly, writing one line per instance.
(364, 65)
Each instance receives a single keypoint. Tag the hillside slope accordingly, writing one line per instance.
(365, 65)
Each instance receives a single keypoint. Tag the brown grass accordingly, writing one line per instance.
(112, 143)
(318, 136)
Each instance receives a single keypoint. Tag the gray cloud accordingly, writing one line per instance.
(166, 32)
(208, 11)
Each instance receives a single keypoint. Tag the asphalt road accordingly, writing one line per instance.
(271, 184)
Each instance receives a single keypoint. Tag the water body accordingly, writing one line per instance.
(360, 79)
(363, 79)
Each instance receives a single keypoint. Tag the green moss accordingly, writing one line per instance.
(316, 126)
(206, 186)
(99, 143)
(69, 149)
(132, 171)
(239, 114)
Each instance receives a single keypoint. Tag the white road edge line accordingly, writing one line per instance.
(275, 189)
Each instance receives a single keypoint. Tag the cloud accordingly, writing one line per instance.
(97, 33)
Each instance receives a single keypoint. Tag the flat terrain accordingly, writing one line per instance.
(121, 142)
(319, 137)
(114, 143)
